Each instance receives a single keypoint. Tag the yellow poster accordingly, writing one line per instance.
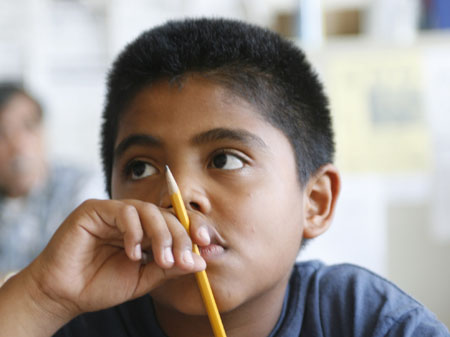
(377, 105)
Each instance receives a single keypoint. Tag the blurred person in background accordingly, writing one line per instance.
(35, 195)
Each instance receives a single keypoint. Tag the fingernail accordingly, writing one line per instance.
(138, 251)
(168, 256)
(187, 257)
(203, 233)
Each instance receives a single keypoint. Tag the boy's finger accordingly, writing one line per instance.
(199, 231)
(155, 228)
(108, 220)
(129, 224)
(182, 243)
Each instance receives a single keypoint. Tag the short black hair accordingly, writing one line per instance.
(254, 63)
(10, 89)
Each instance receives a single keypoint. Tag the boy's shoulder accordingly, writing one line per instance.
(348, 276)
(346, 300)
(349, 284)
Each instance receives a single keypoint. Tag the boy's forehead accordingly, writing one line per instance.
(196, 101)
(196, 113)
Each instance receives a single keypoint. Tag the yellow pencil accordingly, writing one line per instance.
(202, 278)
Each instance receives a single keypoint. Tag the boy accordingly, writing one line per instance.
(36, 194)
(241, 120)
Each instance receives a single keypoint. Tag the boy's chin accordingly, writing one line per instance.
(181, 295)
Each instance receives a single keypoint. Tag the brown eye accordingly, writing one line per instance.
(140, 169)
(227, 161)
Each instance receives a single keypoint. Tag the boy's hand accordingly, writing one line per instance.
(94, 260)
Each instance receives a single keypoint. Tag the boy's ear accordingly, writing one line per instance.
(321, 193)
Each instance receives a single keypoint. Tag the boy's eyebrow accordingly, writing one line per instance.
(135, 139)
(218, 134)
(212, 135)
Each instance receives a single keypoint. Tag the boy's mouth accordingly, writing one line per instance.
(216, 247)
(211, 252)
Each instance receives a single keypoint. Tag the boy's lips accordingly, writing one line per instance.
(215, 248)
(211, 251)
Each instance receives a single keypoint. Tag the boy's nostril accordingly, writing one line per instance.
(194, 206)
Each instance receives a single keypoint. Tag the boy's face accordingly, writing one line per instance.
(22, 159)
(234, 169)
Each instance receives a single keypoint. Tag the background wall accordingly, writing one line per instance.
(386, 67)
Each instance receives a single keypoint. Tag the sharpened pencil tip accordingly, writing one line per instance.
(171, 183)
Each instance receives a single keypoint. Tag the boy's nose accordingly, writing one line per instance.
(193, 194)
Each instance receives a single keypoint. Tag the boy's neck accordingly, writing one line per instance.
(256, 317)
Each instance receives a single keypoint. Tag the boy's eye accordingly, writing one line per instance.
(140, 169)
(227, 161)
